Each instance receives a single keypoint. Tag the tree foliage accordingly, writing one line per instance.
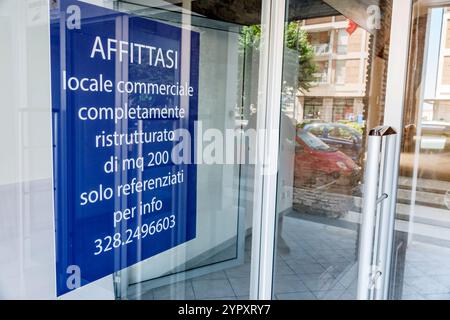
(296, 40)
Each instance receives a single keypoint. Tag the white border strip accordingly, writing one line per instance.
(395, 95)
(269, 107)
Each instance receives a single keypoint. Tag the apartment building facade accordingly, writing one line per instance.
(341, 55)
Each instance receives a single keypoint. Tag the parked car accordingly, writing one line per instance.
(317, 164)
(307, 122)
(340, 136)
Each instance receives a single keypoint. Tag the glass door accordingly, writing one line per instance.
(423, 203)
(192, 65)
(215, 264)
(334, 91)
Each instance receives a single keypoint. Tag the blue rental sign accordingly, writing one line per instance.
(125, 100)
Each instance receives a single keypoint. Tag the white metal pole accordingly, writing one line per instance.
(368, 217)
(386, 218)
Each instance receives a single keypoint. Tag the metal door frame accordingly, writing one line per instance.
(265, 184)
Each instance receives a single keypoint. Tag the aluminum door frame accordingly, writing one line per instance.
(402, 11)
(268, 125)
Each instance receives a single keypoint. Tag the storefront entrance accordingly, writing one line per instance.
(321, 135)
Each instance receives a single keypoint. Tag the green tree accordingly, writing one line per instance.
(296, 39)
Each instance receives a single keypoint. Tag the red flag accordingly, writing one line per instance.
(352, 26)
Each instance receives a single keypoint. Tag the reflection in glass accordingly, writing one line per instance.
(422, 233)
(320, 177)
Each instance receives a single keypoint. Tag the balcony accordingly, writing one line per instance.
(321, 77)
(321, 49)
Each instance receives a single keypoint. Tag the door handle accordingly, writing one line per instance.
(377, 218)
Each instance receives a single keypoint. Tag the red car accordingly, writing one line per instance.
(319, 165)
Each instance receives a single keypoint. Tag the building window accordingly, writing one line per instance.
(320, 42)
(342, 42)
(322, 72)
(343, 109)
(313, 107)
(340, 72)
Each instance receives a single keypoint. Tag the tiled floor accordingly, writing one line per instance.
(319, 264)
(427, 273)
(322, 257)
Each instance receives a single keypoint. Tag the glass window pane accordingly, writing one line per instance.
(342, 41)
(423, 193)
(320, 177)
(211, 45)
